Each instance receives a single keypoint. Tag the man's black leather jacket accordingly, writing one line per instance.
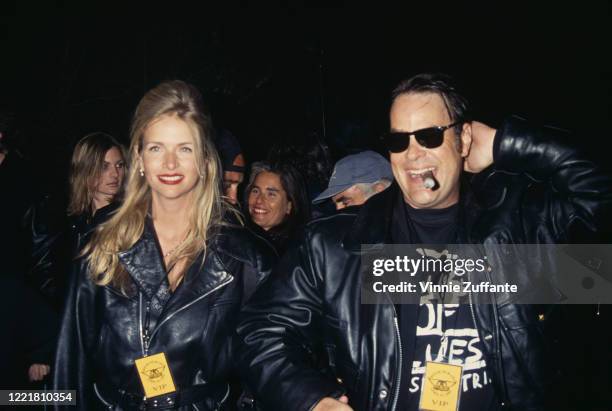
(537, 191)
(104, 331)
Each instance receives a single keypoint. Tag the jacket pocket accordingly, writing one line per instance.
(338, 353)
(345, 372)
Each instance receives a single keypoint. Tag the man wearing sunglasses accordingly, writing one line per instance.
(529, 188)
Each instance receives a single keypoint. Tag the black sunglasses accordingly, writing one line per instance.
(432, 137)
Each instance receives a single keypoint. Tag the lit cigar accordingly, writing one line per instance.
(429, 181)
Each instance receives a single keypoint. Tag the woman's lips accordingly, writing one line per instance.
(170, 179)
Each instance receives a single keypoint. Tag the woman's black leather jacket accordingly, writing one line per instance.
(54, 240)
(104, 331)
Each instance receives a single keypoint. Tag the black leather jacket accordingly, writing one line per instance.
(537, 191)
(103, 330)
(54, 241)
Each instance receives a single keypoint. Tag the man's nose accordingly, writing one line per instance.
(414, 150)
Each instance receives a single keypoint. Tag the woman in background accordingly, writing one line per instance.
(97, 171)
(151, 312)
(277, 202)
(58, 231)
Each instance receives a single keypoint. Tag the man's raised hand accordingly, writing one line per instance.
(480, 155)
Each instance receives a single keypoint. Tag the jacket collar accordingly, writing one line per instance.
(373, 222)
(144, 263)
(371, 226)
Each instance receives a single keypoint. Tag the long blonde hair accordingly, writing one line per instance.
(126, 226)
(85, 169)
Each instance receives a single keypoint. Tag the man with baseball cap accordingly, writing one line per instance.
(356, 178)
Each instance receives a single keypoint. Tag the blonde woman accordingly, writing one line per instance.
(149, 318)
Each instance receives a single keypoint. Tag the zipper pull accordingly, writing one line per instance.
(146, 337)
(145, 341)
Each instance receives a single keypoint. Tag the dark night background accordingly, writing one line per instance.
(274, 75)
(270, 76)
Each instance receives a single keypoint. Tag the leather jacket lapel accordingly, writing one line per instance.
(143, 262)
(200, 280)
(373, 221)
(203, 277)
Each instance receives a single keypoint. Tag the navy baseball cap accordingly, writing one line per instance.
(364, 167)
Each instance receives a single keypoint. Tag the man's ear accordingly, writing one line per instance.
(466, 139)
(289, 205)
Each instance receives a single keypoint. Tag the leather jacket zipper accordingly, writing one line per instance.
(189, 305)
(471, 305)
(399, 367)
(145, 350)
(140, 324)
(398, 380)
(146, 336)
(498, 354)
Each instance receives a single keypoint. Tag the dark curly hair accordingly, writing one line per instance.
(442, 85)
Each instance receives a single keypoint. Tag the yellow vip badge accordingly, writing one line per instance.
(441, 387)
(155, 375)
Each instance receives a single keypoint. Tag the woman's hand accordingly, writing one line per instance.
(37, 372)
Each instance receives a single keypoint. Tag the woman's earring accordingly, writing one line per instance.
(141, 172)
